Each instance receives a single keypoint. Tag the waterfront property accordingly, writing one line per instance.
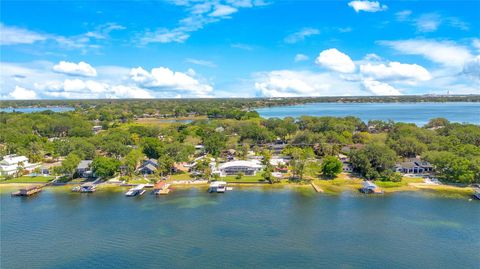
(248, 168)
(149, 166)
(84, 169)
(13, 164)
(414, 166)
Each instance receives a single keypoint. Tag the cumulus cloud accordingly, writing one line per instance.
(367, 6)
(111, 82)
(395, 71)
(472, 68)
(336, 61)
(446, 53)
(301, 35)
(301, 57)
(75, 69)
(77, 88)
(169, 80)
(20, 93)
(288, 83)
(380, 88)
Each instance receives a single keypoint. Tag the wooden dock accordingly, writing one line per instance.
(315, 187)
(28, 191)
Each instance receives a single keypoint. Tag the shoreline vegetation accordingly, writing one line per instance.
(340, 185)
(140, 141)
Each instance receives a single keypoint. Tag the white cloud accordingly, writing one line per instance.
(289, 83)
(169, 80)
(81, 89)
(199, 14)
(164, 36)
(20, 93)
(201, 62)
(395, 71)
(428, 22)
(301, 35)
(446, 53)
(93, 40)
(223, 11)
(301, 57)
(367, 6)
(75, 69)
(403, 15)
(336, 61)
(380, 88)
(472, 68)
(10, 35)
(476, 44)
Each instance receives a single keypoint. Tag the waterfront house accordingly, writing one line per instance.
(249, 168)
(147, 169)
(84, 169)
(414, 166)
(11, 164)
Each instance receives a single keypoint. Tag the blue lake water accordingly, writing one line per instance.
(251, 228)
(37, 109)
(418, 113)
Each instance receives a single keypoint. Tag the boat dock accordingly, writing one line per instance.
(370, 187)
(161, 188)
(136, 191)
(315, 187)
(28, 191)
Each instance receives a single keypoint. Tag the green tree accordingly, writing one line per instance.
(69, 165)
(105, 167)
(331, 166)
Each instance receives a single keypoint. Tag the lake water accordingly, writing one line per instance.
(37, 109)
(251, 228)
(418, 113)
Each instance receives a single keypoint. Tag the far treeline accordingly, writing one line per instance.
(219, 108)
(374, 147)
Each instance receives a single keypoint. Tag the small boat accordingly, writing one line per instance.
(218, 187)
(88, 187)
(161, 188)
(476, 195)
(370, 187)
(136, 191)
(27, 191)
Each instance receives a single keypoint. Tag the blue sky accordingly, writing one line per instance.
(237, 48)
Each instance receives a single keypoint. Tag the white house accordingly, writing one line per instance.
(11, 163)
(249, 168)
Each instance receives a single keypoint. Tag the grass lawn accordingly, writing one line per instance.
(185, 176)
(139, 181)
(256, 178)
(27, 179)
